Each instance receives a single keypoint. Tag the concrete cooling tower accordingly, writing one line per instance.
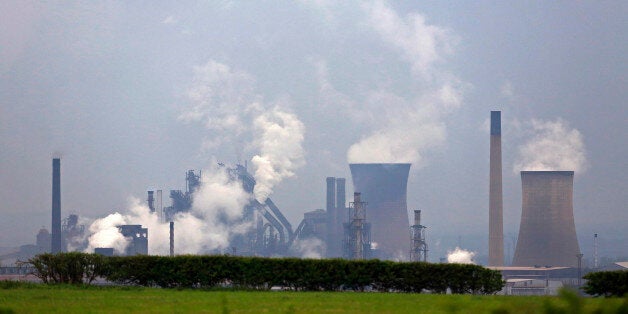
(384, 189)
(547, 234)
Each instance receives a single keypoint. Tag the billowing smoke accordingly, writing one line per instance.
(407, 126)
(280, 138)
(460, 256)
(213, 220)
(226, 101)
(308, 248)
(104, 233)
(553, 146)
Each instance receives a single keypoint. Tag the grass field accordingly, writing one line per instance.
(37, 298)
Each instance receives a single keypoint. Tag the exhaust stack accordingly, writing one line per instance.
(171, 238)
(55, 244)
(495, 204)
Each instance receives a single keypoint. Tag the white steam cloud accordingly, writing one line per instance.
(308, 248)
(213, 220)
(104, 233)
(408, 126)
(226, 101)
(280, 138)
(460, 256)
(553, 146)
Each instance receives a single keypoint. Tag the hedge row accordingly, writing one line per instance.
(607, 283)
(196, 271)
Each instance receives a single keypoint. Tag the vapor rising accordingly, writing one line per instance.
(280, 138)
(226, 101)
(416, 124)
(214, 218)
(460, 256)
(553, 146)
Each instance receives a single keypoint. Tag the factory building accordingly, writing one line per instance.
(547, 234)
(138, 239)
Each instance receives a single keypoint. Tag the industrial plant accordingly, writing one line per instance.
(374, 224)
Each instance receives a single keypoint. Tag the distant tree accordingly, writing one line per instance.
(607, 283)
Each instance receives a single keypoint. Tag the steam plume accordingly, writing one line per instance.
(460, 256)
(308, 248)
(226, 101)
(417, 122)
(280, 140)
(553, 146)
(214, 218)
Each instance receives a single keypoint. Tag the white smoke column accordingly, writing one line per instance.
(553, 146)
(217, 207)
(214, 218)
(420, 43)
(408, 126)
(104, 233)
(280, 140)
(407, 130)
(225, 100)
(308, 248)
(460, 256)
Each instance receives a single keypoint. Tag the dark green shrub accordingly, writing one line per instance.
(607, 283)
(72, 267)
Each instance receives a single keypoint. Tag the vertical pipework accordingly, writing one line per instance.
(495, 206)
(330, 207)
(171, 238)
(55, 245)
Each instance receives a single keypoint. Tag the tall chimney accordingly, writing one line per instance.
(171, 238)
(151, 201)
(495, 204)
(55, 244)
(547, 234)
(341, 212)
(333, 248)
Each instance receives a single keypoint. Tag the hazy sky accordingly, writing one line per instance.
(132, 95)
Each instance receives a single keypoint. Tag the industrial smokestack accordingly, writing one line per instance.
(547, 234)
(495, 204)
(151, 201)
(384, 187)
(171, 238)
(55, 244)
(340, 193)
(333, 239)
(341, 212)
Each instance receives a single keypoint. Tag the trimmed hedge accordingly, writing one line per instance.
(607, 283)
(208, 271)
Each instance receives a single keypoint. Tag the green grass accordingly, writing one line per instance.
(37, 298)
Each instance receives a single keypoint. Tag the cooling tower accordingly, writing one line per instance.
(55, 244)
(384, 189)
(495, 204)
(547, 234)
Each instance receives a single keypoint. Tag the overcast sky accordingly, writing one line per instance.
(120, 91)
